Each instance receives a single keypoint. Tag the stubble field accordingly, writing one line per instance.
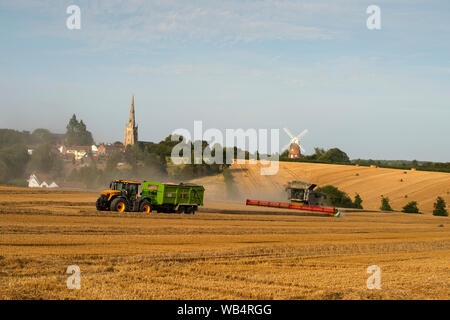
(226, 251)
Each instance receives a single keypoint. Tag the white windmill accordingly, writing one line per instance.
(295, 148)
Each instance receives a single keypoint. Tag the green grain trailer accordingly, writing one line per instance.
(169, 197)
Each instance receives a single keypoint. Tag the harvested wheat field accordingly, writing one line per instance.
(225, 251)
(400, 186)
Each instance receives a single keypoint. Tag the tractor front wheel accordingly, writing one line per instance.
(118, 205)
(100, 205)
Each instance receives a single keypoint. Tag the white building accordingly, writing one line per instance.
(41, 181)
(79, 152)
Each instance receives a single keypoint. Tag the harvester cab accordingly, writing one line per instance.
(303, 193)
(123, 195)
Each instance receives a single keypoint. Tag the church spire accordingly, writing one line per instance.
(132, 118)
(131, 129)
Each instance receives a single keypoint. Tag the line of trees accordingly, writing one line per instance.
(337, 156)
(333, 155)
(339, 198)
(15, 161)
(405, 164)
(439, 207)
(146, 160)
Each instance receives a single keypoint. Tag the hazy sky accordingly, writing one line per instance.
(381, 94)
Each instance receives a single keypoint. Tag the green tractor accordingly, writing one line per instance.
(123, 196)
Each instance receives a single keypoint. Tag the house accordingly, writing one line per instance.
(101, 149)
(109, 149)
(76, 152)
(94, 149)
(38, 180)
(79, 152)
(62, 149)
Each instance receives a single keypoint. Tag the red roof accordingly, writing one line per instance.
(43, 177)
(79, 148)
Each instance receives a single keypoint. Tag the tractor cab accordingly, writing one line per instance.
(130, 189)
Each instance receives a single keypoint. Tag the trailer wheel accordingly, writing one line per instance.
(146, 207)
(118, 205)
(181, 209)
(190, 210)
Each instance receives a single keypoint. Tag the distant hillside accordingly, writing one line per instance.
(401, 186)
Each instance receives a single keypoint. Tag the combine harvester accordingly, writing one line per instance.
(302, 197)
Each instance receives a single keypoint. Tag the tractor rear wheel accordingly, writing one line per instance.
(118, 205)
(145, 207)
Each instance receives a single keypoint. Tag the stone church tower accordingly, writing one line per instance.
(131, 129)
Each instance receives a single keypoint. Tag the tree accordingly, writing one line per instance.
(9, 137)
(112, 161)
(89, 175)
(42, 136)
(77, 134)
(439, 208)
(337, 197)
(411, 207)
(230, 184)
(284, 154)
(319, 152)
(130, 156)
(358, 202)
(13, 161)
(3, 172)
(45, 160)
(334, 155)
(385, 206)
